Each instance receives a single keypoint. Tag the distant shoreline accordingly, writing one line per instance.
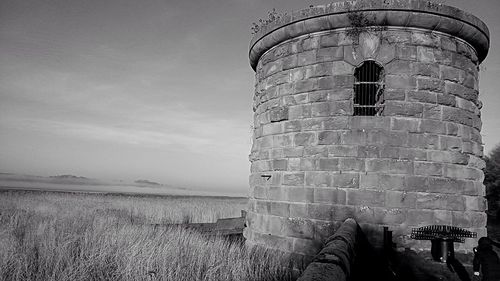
(107, 193)
(72, 183)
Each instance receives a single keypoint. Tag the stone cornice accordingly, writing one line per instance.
(397, 13)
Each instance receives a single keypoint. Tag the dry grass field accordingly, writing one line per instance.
(72, 236)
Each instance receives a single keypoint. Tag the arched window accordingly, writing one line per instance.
(368, 89)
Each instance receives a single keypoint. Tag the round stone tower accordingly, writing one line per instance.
(369, 110)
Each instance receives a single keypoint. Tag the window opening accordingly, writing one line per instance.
(368, 89)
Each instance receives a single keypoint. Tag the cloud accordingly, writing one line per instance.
(177, 128)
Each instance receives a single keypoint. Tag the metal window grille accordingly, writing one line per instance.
(368, 89)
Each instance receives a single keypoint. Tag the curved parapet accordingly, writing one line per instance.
(392, 13)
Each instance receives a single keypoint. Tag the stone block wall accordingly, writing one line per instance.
(314, 164)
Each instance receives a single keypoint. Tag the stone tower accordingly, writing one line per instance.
(366, 109)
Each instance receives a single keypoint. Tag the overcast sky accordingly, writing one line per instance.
(150, 89)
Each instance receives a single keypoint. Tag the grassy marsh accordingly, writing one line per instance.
(68, 236)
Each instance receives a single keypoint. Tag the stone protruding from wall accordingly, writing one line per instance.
(314, 164)
(336, 259)
(347, 255)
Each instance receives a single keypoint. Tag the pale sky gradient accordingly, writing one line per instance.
(151, 89)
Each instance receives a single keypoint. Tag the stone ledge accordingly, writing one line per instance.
(395, 13)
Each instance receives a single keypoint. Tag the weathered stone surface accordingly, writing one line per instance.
(329, 212)
(422, 96)
(426, 69)
(343, 151)
(319, 179)
(309, 164)
(406, 52)
(391, 94)
(451, 74)
(448, 43)
(369, 44)
(463, 62)
(446, 185)
(430, 84)
(396, 36)
(310, 43)
(278, 114)
(279, 209)
(374, 198)
(305, 85)
(304, 139)
(306, 58)
(330, 54)
(345, 180)
(336, 123)
(400, 82)
(467, 105)
(382, 181)
(405, 124)
(321, 109)
(369, 151)
(432, 111)
(329, 164)
(417, 183)
(386, 53)
(318, 96)
(353, 55)
(329, 195)
(367, 122)
(300, 229)
(446, 99)
(290, 62)
(298, 210)
(461, 91)
(457, 116)
(425, 39)
(428, 169)
(272, 129)
(440, 202)
(425, 55)
(295, 179)
(272, 68)
(470, 81)
(399, 67)
(432, 126)
(279, 164)
(316, 151)
(399, 199)
(392, 166)
(292, 126)
(298, 194)
(397, 108)
(443, 217)
(330, 40)
(341, 108)
(469, 219)
(329, 137)
(444, 57)
(342, 94)
(354, 137)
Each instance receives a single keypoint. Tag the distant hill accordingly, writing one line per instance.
(59, 179)
(147, 182)
(69, 177)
